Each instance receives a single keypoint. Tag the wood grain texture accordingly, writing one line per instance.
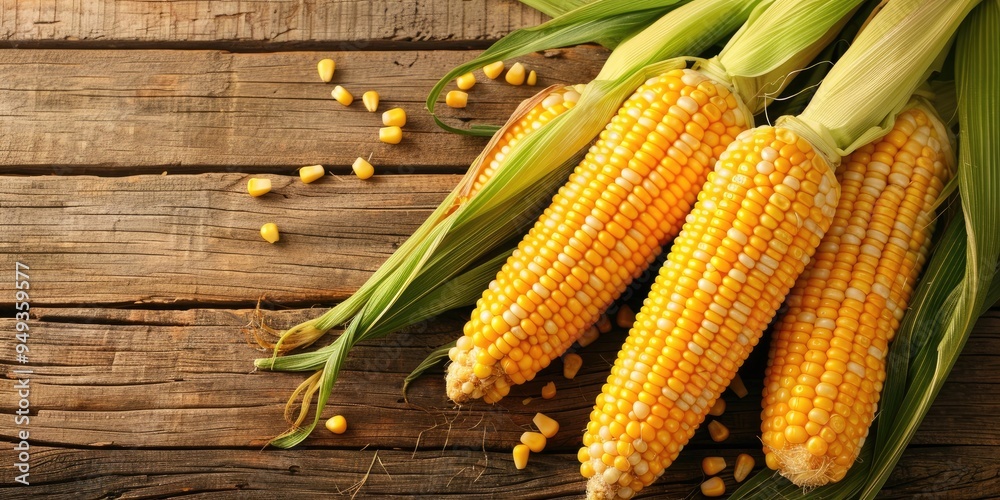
(953, 472)
(354, 24)
(181, 239)
(147, 111)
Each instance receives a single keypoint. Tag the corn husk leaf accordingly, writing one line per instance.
(436, 356)
(554, 8)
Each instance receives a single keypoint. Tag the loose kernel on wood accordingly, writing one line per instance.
(466, 81)
(712, 465)
(625, 317)
(738, 387)
(326, 68)
(718, 431)
(258, 187)
(342, 95)
(535, 441)
(390, 135)
(362, 168)
(269, 232)
(588, 336)
(546, 425)
(571, 365)
(532, 78)
(337, 424)
(714, 487)
(718, 408)
(604, 324)
(456, 99)
(549, 391)
(744, 464)
(493, 70)
(395, 117)
(370, 100)
(521, 453)
(515, 75)
(311, 173)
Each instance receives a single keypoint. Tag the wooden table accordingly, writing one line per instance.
(128, 131)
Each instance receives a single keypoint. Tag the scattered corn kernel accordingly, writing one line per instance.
(466, 81)
(269, 232)
(532, 78)
(604, 324)
(535, 441)
(744, 464)
(342, 95)
(549, 391)
(546, 425)
(571, 365)
(362, 168)
(737, 387)
(625, 317)
(326, 68)
(712, 465)
(337, 424)
(395, 117)
(718, 431)
(588, 336)
(718, 408)
(258, 187)
(390, 135)
(521, 453)
(525, 401)
(456, 99)
(493, 70)
(515, 75)
(311, 173)
(714, 487)
(370, 100)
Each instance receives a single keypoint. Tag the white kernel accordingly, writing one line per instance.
(611, 475)
(665, 325)
(550, 327)
(610, 448)
(695, 348)
(594, 222)
(540, 290)
(876, 352)
(640, 409)
(641, 468)
(737, 236)
(605, 433)
(669, 393)
(746, 261)
(765, 167)
(827, 323)
(640, 446)
(634, 458)
(510, 318)
(552, 100)
(769, 154)
(791, 182)
(743, 339)
(687, 104)
(708, 325)
(856, 369)
(707, 286)
(518, 311)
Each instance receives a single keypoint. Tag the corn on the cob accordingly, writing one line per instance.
(759, 218)
(626, 198)
(827, 360)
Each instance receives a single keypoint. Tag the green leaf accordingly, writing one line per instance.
(553, 8)
(432, 360)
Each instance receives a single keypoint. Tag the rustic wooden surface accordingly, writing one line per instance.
(141, 283)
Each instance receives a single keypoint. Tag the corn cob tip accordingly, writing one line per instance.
(804, 469)
(598, 489)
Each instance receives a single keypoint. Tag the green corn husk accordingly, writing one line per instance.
(555, 8)
(957, 287)
(427, 275)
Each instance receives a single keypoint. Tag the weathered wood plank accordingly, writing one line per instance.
(184, 379)
(355, 24)
(954, 472)
(146, 111)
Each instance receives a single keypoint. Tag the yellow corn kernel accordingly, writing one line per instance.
(493, 70)
(362, 168)
(625, 317)
(546, 425)
(525, 401)
(712, 465)
(604, 324)
(269, 232)
(589, 336)
(370, 100)
(549, 390)
(571, 365)
(390, 135)
(258, 187)
(395, 117)
(456, 99)
(342, 95)
(326, 68)
(717, 431)
(337, 424)
(521, 453)
(737, 386)
(535, 441)
(311, 173)
(718, 408)
(744, 465)
(822, 387)
(515, 75)
(532, 78)
(714, 487)
(466, 81)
